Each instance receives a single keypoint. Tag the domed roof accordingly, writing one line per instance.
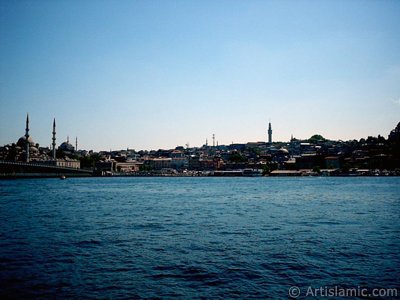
(33, 149)
(22, 141)
(283, 150)
(66, 147)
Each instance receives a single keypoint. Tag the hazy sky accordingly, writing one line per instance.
(157, 74)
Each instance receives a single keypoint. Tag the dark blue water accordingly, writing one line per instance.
(196, 237)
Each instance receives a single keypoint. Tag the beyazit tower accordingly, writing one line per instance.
(269, 133)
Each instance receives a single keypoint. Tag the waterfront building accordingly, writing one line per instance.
(194, 162)
(178, 163)
(309, 161)
(159, 163)
(128, 166)
(286, 173)
(65, 163)
(106, 166)
(332, 162)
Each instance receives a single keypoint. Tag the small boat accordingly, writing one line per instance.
(62, 177)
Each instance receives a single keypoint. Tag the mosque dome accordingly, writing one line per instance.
(66, 146)
(33, 149)
(283, 151)
(22, 141)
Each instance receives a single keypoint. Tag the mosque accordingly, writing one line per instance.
(31, 152)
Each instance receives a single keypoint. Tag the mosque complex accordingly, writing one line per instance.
(28, 151)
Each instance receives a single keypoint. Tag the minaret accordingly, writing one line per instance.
(269, 133)
(76, 144)
(27, 137)
(54, 139)
(213, 137)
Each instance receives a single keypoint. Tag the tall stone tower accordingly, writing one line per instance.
(27, 137)
(54, 139)
(269, 133)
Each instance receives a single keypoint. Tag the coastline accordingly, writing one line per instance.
(199, 174)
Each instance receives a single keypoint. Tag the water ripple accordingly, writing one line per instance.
(196, 237)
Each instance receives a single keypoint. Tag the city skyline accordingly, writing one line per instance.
(150, 75)
(214, 142)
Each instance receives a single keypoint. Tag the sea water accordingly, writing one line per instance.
(197, 237)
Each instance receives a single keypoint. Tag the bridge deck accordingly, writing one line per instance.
(10, 169)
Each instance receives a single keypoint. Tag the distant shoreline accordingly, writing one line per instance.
(45, 176)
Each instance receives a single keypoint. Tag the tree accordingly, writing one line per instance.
(89, 161)
(266, 170)
(237, 157)
(317, 138)
(317, 169)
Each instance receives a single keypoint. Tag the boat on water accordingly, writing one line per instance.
(62, 177)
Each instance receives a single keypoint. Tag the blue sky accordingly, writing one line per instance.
(157, 74)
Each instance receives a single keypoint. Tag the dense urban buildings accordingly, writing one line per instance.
(313, 156)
